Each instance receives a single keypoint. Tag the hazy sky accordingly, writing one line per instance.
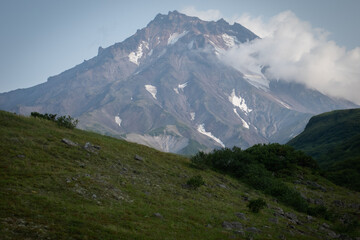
(42, 38)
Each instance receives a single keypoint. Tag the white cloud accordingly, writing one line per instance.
(207, 15)
(295, 51)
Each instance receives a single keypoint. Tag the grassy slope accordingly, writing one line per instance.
(50, 190)
(331, 137)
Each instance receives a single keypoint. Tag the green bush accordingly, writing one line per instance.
(199, 161)
(63, 121)
(261, 167)
(256, 205)
(195, 182)
(320, 211)
(67, 122)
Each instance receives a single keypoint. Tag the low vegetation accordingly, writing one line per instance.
(52, 188)
(63, 121)
(195, 182)
(333, 140)
(262, 167)
(256, 205)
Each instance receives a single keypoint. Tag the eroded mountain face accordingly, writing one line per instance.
(168, 86)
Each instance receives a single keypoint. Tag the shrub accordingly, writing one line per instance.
(46, 116)
(261, 167)
(63, 121)
(67, 122)
(256, 205)
(195, 182)
(320, 211)
(199, 160)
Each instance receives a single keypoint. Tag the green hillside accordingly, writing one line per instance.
(333, 139)
(53, 188)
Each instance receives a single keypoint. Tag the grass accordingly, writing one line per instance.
(50, 190)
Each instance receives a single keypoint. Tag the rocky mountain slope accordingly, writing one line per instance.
(58, 183)
(169, 87)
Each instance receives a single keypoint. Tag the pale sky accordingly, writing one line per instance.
(42, 38)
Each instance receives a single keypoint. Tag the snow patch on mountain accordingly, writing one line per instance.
(201, 129)
(217, 49)
(257, 80)
(192, 116)
(229, 40)
(239, 102)
(163, 142)
(182, 86)
(135, 56)
(174, 37)
(245, 125)
(118, 120)
(152, 90)
(190, 45)
(283, 104)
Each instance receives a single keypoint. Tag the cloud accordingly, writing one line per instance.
(208, 15)
(295, 51)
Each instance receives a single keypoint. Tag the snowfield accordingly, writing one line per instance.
(152, 90)
(174, 37)
(245, 125)
(239, 102)
(201, 129)
(118, 120)
(135, 56)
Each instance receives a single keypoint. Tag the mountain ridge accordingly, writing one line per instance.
(171, 73)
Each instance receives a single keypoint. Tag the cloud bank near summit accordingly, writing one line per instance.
(295, 51)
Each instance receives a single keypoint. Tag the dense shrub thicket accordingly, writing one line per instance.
(261, 167)
(256, 205)
(63, 121)
(195, 182)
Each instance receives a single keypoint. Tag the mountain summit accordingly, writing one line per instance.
(168, 86)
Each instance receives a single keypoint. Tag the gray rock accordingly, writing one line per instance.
(69, 142)
(332, 234)
(339, 203)
(20, 156)
(282, 237)
(222, 186)
(291, 216)
(315, 185)
(309, 218)
(355, 206)
(138, 158)
(279, 210)
(240, 232)
(325, 225)
(315, 201)
(274, 220)
(158, 215)
(232, 225)
(241, 215)
(253, 230)
(91, 148)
